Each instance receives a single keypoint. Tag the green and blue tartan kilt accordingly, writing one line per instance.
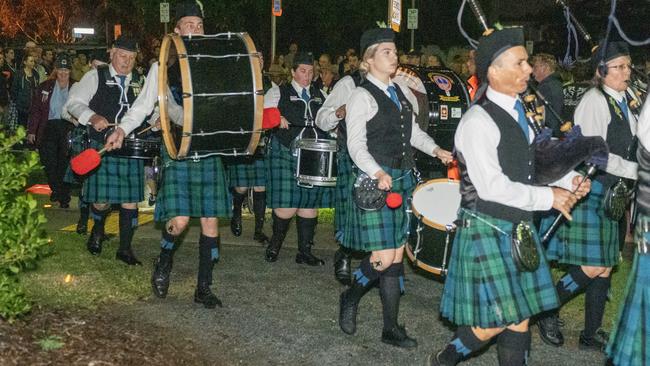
(282, 186)
(629, 343)
(385, 228)
(192, 188)
(116, 180)
(247, 172)
(343, 193)
(591, 239)
(483, 287)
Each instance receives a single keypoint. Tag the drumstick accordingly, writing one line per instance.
(145, 130)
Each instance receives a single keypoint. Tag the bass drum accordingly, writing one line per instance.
(217, 79)
(442, 100)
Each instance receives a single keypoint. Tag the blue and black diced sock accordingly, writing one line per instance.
(513, 347)
(208, 254)
(365, 275)
(400, 268)
(595, 300)
(574, 281)
(461, 346)
(99, 220)
(128, 223)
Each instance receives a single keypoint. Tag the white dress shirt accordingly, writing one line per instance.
(361, 108)
(643, 127)
(146, 102)
(272, 97)
(593, 116)
(82, 92)
(477, 138)
(326, 117)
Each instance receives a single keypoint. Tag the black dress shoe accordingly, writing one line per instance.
(260, 237)
(94, 245)
(348, 313)
(309, 259)
(549, 330)
(235, 225)
(342, 268)
(82, 227)
(203, 295)
(397, 337)
(127, 257)
(162, 268)
(598, 342)
(272, 253)
(432, 360)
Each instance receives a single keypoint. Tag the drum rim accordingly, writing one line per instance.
(417, 214)
(422, 265)
(188, 103)
(317, 145)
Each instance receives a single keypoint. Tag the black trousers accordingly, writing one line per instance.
(55, 158)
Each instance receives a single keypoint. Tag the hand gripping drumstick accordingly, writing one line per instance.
(556, 223)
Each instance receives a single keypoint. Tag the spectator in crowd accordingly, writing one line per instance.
(24, 85)
(48, 61)
(80, 67)
(433, 61)
(288, 58)
(549, 84)
(31, 48)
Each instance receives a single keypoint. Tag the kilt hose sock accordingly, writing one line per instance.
(390, 291)
(259, 209)
(128, 223)
(574, 281)
(461, 346)
(99, 219)
(237, 201)
(208, 255)
(167, 245)
(595, 299)
(513, 347)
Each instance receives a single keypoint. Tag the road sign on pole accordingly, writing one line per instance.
(277, 8)
(164, 12)
(412, 19)
(395, 14)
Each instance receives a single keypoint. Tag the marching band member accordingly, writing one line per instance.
(98, 100)
(189, 188)
(332, 117)
(590, 244)
(489, 292)
(628, 344)
(381, 131)
(295, 100)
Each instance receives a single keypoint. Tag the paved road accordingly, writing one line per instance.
(286, 314)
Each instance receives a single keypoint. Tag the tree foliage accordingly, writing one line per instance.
(41, 21)
(22, 238)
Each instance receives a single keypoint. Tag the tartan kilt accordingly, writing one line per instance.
(629, 343)
(247, 172)
(343, 192)
(116, 180)
(192, 188)
(385, 228)
(282, 186)
(483, 287)
(591, 239)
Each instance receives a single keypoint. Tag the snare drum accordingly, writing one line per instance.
(316, 163)
(135, 148)
(434, 209)
(222, 94)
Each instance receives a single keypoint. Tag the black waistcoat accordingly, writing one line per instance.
(388, 132)
(292, 108)
(107, 100)
(619, 137)
(341, 132)
(517, 161)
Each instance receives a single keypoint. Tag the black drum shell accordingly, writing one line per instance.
(316, 162)
(432, 256)
(134, 148)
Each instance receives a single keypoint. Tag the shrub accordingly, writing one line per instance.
(22, 238)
